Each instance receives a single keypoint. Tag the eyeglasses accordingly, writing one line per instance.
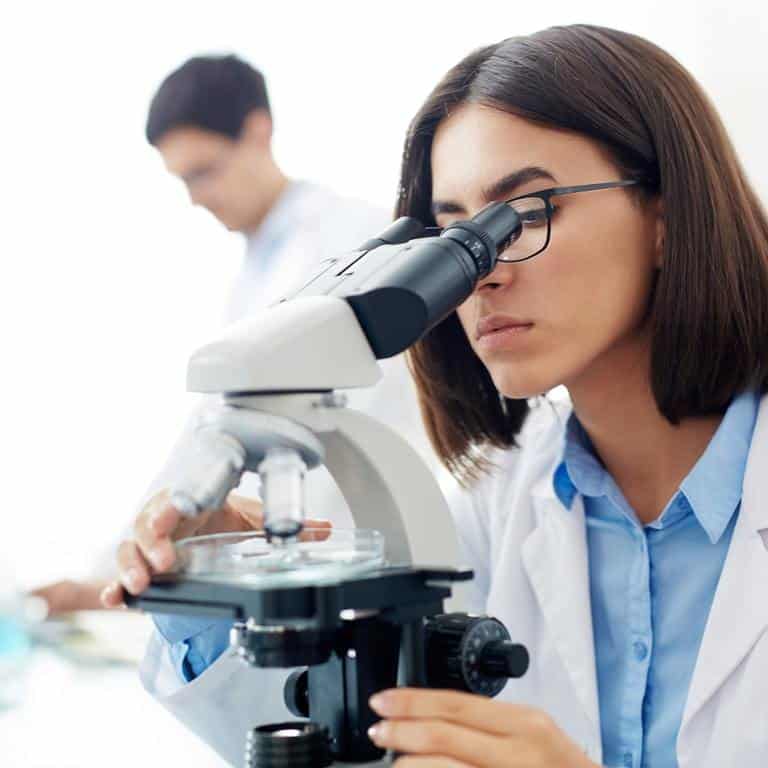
(536, 210)
(205, 173)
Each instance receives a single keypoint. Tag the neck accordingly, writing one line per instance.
(646, 455)
(272, 182)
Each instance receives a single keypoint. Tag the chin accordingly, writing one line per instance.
(230, 226)
(520, 385)
(228, 222)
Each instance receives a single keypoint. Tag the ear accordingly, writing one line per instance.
(257, 128)
(660, 232)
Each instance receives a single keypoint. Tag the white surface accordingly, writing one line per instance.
(78, 716)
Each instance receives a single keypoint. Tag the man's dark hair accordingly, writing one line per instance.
(215, 93)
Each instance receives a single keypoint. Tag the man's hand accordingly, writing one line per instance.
(159, 524)
(66, 596)
(448, 729)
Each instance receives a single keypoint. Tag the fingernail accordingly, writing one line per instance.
(157, 558)
(134, 579)
(109, 593)
(380, 702)
(377, 732)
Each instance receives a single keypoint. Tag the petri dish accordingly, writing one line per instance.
(319, 556)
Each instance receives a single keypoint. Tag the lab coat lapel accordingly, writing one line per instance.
(739, 613)
(555, 560)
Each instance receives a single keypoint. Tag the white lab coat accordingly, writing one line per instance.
(530, 557)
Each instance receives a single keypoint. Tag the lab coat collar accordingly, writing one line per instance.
(739, 613)
(554, 557)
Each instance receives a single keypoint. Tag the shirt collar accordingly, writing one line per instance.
(580, 471)
(713, 487)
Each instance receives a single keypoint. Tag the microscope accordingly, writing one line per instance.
(354, 611)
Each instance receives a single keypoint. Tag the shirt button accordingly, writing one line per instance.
(641, 651)
(628, 759)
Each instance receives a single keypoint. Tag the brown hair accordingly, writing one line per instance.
(709, 310)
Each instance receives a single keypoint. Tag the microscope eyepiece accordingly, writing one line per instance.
(486, 235)
(402, 283)
(501, 222)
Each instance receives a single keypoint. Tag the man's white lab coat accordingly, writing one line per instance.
(530, 557)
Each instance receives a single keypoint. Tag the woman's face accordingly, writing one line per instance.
(578, 309)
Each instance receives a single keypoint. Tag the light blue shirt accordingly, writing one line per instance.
(194, 643)
(652, 586)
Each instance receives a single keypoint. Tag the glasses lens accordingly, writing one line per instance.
(535, 232)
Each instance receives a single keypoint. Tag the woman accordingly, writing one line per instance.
(621, 542)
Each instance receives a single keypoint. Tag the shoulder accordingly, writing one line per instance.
(339, 223)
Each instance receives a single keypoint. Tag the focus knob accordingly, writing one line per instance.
(471, 653)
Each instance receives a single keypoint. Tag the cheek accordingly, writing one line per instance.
(606, 282)
(467, 314)
(586, 298)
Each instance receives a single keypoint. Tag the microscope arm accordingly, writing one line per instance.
(385, 482)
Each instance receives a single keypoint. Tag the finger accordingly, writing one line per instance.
(250, 511)
(476, 712)
(133, 568)
(430, 761)
(152, 515)
(316, 530)
(112, 595)
(435, 737)
(163, 520)
(153, 529)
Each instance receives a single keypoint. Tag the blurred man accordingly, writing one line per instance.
(211, 122)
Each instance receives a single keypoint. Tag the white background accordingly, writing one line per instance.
(108, 278)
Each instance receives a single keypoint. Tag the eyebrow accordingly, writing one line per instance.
(503, 188)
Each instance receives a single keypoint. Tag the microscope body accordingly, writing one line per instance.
(280, 414)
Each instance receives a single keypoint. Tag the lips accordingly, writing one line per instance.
(494, 323)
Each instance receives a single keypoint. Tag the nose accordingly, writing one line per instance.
(503, 275)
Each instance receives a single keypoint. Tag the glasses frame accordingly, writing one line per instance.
(547, 194)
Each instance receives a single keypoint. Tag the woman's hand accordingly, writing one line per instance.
(159, 524)
(448, 729)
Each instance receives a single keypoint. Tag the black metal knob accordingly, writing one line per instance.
(296, 693)
(288, 745)
(471, 653)
(281, 646)
(504, 658)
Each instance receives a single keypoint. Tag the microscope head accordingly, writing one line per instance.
(308, 344)
(371, 304)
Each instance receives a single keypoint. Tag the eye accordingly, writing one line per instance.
(534, 218)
